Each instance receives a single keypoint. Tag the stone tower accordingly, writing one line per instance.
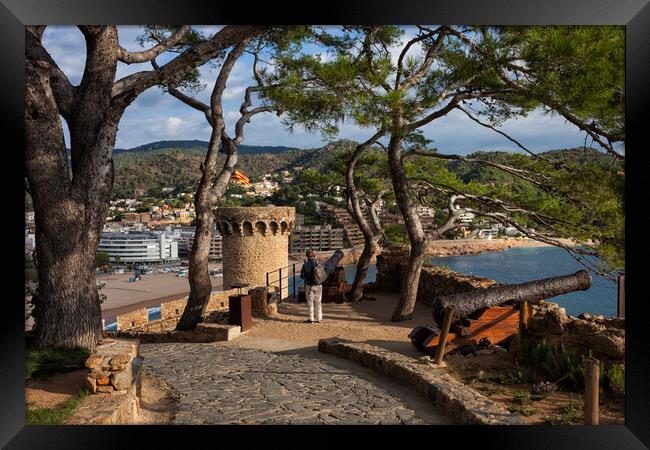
(255, 241)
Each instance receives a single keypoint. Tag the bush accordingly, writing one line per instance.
(615, 378)
(567, 366)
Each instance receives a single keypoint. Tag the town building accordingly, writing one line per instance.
(144, 217)
(340, 218)
(136, 247)
(317, 238)
(185, 238)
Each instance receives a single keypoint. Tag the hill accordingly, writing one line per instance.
(202, 146)
(176, 163)
(154, 166)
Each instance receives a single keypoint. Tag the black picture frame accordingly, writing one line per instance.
(634, 14)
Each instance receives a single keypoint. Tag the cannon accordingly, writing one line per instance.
(334, 286)
(492, 314)
(465, 303)
(330, 265)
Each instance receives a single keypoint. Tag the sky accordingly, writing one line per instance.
(157, 116)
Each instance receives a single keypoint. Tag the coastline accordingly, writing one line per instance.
(460, 247)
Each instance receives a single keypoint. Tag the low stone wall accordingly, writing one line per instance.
(434, 281)
(605, 337)
(114, 380)
(203, 333)
(132, 319)
(459, 401)
(170, 313)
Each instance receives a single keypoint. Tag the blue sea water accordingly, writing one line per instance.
(522, 264)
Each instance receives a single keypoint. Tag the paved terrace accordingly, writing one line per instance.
(275, 375)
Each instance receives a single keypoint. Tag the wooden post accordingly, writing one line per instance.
(523, 316)
(442, 342)
(592, 385)
(620, 306)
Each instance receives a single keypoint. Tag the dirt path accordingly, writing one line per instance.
(158, 402)
(51, 391)
(365, 321)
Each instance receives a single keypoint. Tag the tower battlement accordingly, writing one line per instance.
(255, 241)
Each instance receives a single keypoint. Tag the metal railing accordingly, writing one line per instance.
(290, 272)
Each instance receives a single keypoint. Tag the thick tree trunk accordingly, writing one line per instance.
(466, 303)
(67, 310)
(208, 193)
(417, 238)
(69, 210)
(369, 249)
(199, 274)
(354, 209)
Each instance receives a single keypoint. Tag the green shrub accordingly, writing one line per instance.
(566, 366)
(615, 378)
(555, 362)
(570, 413)
(521, 397)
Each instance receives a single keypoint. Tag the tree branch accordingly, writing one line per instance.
(64, 92)
(128, 88)
(147, 55)
(519, 173)
(556, 164)
(428, 59)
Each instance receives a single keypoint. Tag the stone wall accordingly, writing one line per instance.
(605, 337)
(172, 309)
(255, 241)
(132, 319)
(170, 312)
(434, 281)
(114, 380)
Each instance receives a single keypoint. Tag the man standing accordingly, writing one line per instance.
(313, 291)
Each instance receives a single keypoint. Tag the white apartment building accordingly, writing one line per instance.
(132, 248)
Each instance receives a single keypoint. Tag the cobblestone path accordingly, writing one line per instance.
(224, 385)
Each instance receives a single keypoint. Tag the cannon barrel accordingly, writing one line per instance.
(466, 303)
(332, 262)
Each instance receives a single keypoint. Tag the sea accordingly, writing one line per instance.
(522, 264)
(516, 265)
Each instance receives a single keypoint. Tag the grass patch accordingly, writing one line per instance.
(44, 362)
(570, 413)
(491, 389)
(615, 378)
(517, 375)
(521, 397)
(527, 412)
(55, 416)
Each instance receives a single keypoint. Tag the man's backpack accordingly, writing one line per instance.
(319, 273)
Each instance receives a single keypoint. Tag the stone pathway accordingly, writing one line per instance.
(219, 384)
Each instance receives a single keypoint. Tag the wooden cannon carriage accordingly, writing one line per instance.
(494, 314)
